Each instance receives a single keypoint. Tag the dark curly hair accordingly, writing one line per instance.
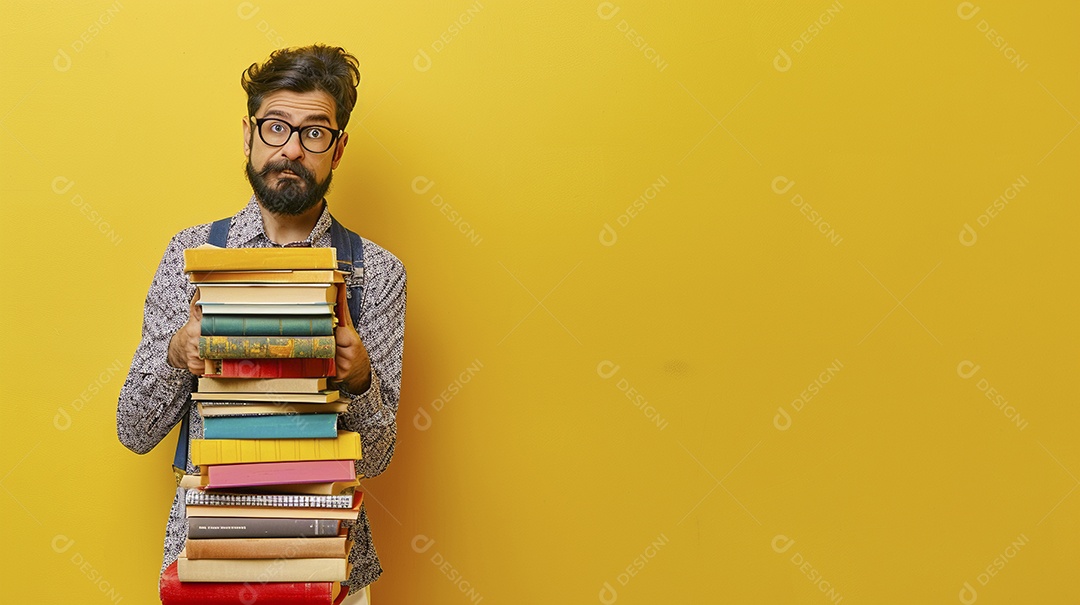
(304, 69)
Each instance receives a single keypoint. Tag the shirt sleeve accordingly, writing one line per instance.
(373, 413)
(155, 394)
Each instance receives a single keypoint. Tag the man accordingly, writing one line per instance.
(299, 102)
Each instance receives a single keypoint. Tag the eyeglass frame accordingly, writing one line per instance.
(334, 134)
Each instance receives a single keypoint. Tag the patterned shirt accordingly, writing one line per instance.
(156, 394)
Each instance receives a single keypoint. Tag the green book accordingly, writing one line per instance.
(267, 325)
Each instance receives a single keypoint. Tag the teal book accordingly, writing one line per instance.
(267, 325)
(275, 426)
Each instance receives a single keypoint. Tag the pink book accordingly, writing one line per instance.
(279, 473)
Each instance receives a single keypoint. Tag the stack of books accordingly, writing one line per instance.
(277, 477)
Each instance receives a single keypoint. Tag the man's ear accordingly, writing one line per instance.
(247, 136)
(339, 150)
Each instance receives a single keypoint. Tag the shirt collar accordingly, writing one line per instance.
(248, 225)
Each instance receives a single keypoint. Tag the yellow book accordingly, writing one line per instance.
(212, 258)
(233, 451)
(272, 276)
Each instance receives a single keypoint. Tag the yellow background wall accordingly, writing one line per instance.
(739, 302)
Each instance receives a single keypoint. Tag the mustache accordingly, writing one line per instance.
(295, 167)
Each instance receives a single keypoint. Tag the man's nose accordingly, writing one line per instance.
(292, 149)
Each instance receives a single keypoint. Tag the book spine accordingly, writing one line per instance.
(270, 368)
(279, 473)
(343, 514)
(174, 592)
(235, 451)
(266, 548)
(200, 497)
(262, 385)
(249, 325)
(256, 259)
(269, 570)
(280, 426)
(257, 527)
(263, 347)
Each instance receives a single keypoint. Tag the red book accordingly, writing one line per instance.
(279, 473)
(175, 592)
(270, 368)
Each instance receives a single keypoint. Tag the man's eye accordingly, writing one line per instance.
(277, 127)
(316, 133)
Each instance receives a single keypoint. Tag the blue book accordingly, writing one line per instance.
(271, 426)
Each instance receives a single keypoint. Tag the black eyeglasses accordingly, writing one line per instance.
(276, 133)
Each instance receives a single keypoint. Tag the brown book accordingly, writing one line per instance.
(245, 409)
(269, 548)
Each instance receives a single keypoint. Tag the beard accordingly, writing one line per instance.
(291, 196)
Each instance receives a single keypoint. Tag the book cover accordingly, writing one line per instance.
(174, 592)
(256, 527)
(195, 496)
(269, 548)
(267, 293)
(219, 476)
(267, 325)
(255, 347)
(233, 451)
(278, 512)
(261, 385)
(278, 276)
(208, 409)
(212, 258)
(269, 368)
(209, 309)
(323, 488)
(278, 426)
(269, 570)
(320, 397)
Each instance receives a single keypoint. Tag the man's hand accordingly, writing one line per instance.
(352, 361)
(184, 346)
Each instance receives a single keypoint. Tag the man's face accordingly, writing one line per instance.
(290, 179)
